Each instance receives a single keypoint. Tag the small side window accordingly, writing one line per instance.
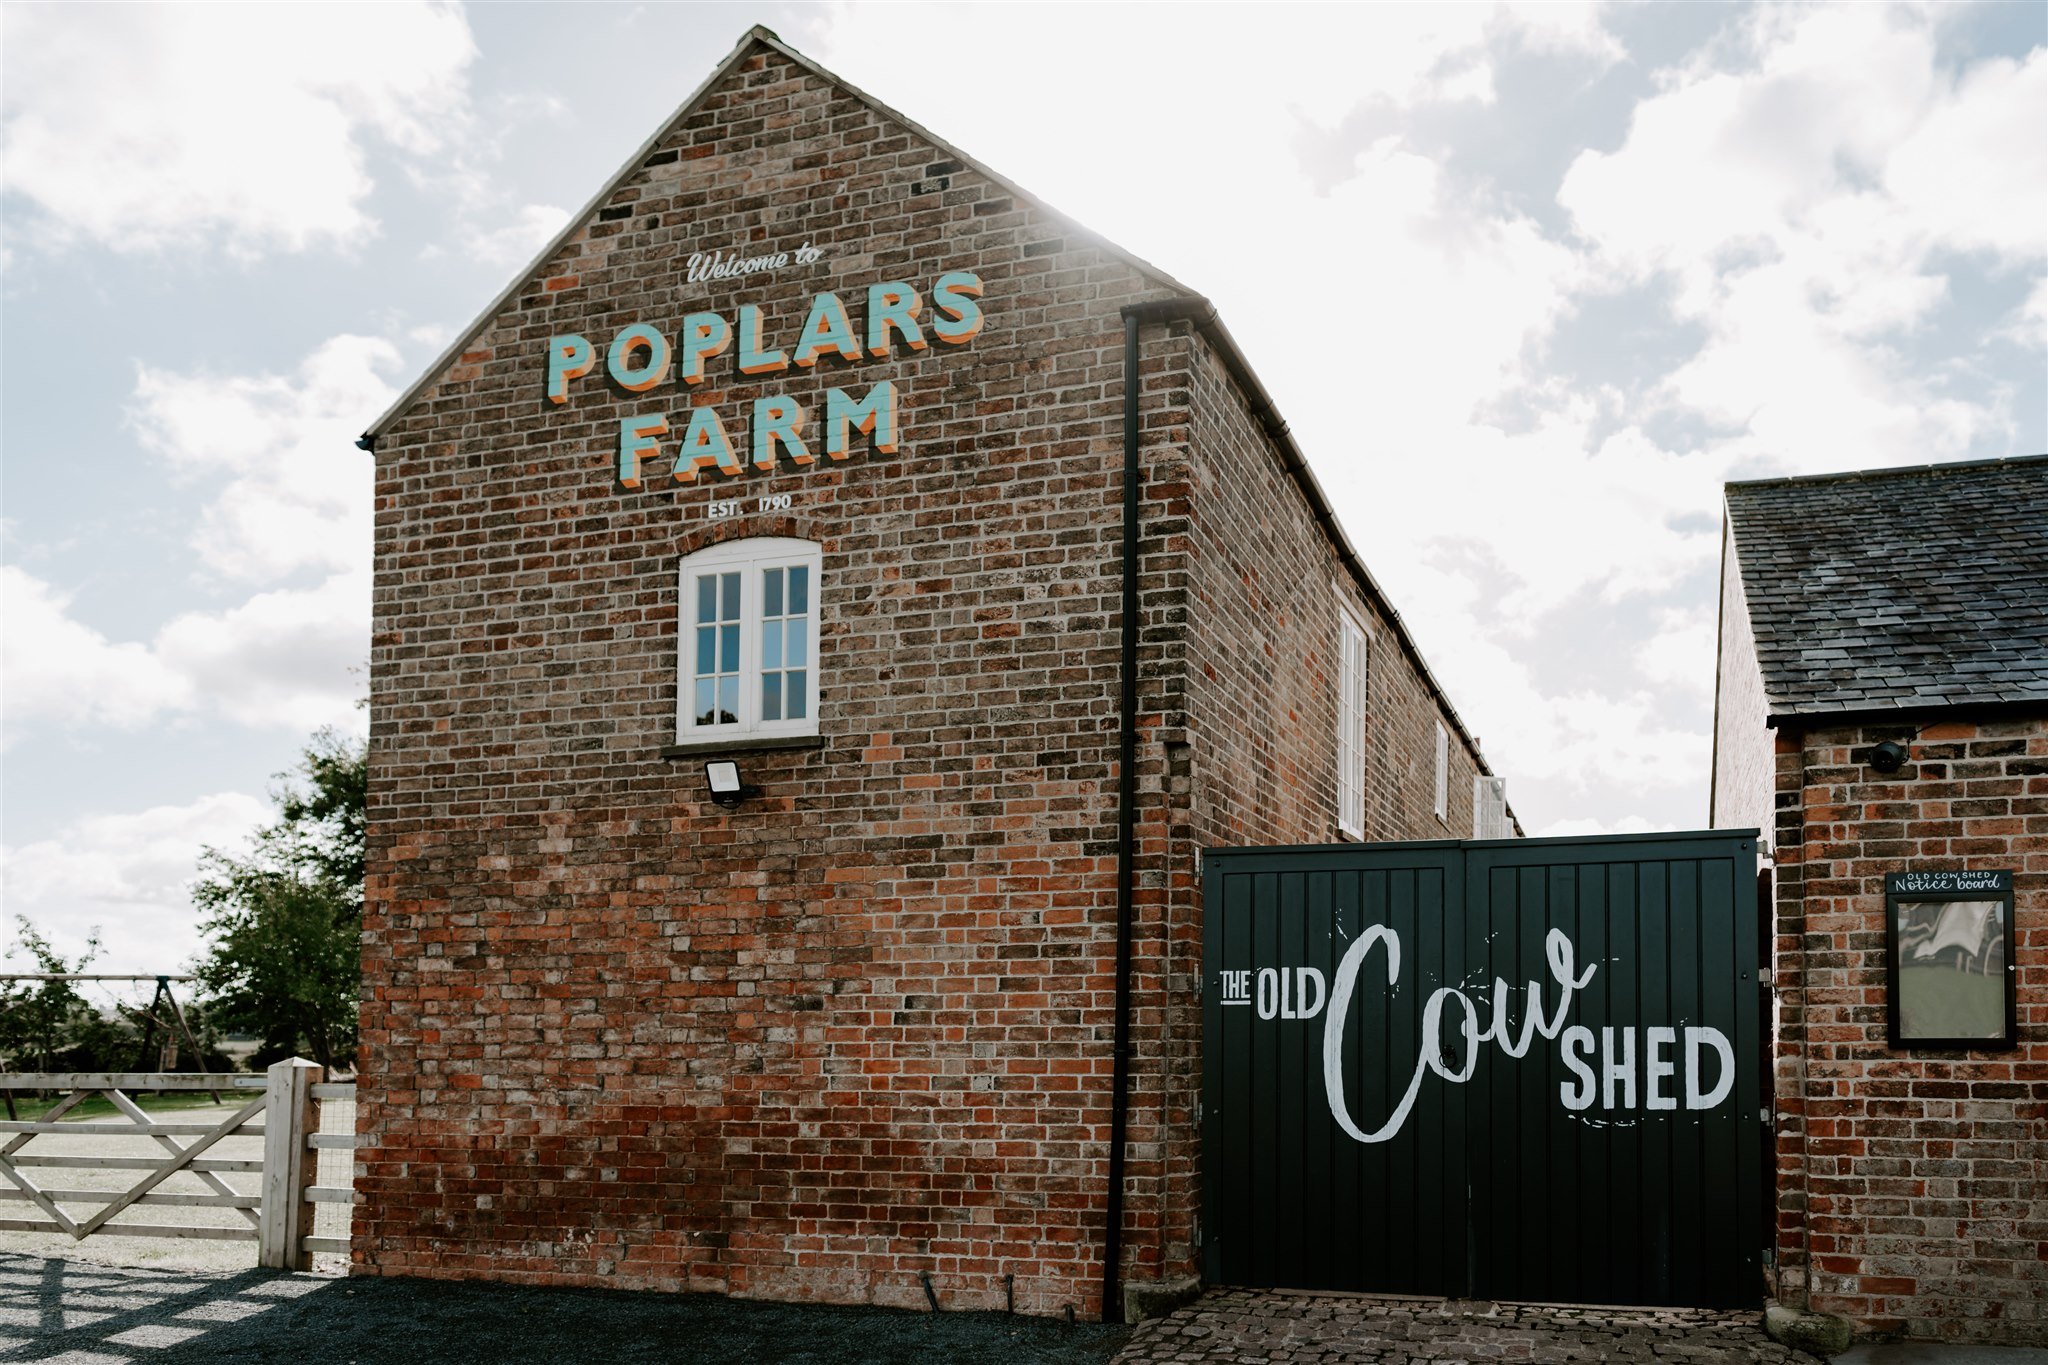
(1443, 773)
(1350, 724)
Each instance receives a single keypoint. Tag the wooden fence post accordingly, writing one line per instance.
(289, 1168)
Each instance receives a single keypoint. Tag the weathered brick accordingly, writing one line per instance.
(859, 1030)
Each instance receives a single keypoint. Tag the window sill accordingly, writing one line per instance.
(742, 744)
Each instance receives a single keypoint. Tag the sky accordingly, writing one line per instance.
(1528, 284)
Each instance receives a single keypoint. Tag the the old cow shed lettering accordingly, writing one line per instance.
(1604, 1069)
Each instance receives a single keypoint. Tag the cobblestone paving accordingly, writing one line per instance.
(1247, 1327)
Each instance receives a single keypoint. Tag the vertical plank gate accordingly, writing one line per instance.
(1520, 1069)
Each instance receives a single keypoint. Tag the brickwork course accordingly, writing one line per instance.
(1912, 1183)
(854, 1037)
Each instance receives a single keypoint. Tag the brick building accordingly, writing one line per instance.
(803, 447)
(1882, 716)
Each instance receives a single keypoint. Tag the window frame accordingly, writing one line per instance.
(750, 556)
(1353, 696)
(1442, 802)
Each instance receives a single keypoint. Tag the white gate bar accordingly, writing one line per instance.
(127, 1080)
(229, 1200)
(136, 1230)
(129, 1163)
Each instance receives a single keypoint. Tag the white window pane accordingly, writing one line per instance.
(796, 631)
(729, 649)
(707, 598)
(771, 696)
(707, 650)
(799, 589)
(706, 688)
(771, 645)
(771, 592)
(728, 701)
(799, 695)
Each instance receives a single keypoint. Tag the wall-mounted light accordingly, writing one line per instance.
(723, 777)
(1888, 757)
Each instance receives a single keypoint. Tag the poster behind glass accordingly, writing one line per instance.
(1951, 970)
(1950, 938)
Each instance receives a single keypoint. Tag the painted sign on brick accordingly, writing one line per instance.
(742, 344)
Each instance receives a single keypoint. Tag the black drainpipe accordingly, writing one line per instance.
(1126, 828)
(1134, 315)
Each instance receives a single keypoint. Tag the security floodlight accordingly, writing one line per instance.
(1888, 757)
(723, 777)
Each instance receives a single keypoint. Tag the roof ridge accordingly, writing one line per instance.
(1890, 471)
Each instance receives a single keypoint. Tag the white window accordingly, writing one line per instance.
(1350, 725)
(1443, 773)
(1490, 808)
(749, 638)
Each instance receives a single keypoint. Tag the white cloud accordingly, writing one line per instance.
(2028, 324)
(297, 491)
(280, 659)
(1971, 174)
(168, 125)
(1572, 744)
(1803, 203)
(1681, 655)
(291, 495)
(511, 244)
(55, 670)
(127, 875)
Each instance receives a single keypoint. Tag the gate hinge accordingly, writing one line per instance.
(1198, 1111)
(1198, 1230)
(1764, 1117)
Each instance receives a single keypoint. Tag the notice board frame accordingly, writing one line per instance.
(1910, 888)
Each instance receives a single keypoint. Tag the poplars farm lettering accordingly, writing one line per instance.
(640, 358)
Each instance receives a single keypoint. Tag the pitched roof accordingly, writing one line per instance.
(754, 38)
(1898, 588)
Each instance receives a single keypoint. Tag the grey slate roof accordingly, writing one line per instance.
(1906, 588)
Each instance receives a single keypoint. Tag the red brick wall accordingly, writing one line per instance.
(858, 1030)
(1913, 1184)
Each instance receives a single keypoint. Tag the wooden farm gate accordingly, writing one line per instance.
(280, 1107)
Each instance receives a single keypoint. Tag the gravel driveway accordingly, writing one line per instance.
(64, 1311)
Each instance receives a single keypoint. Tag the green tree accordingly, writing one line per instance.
(40, 1020)
(284, 923)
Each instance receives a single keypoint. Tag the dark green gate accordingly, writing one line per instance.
(1384, 1110)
